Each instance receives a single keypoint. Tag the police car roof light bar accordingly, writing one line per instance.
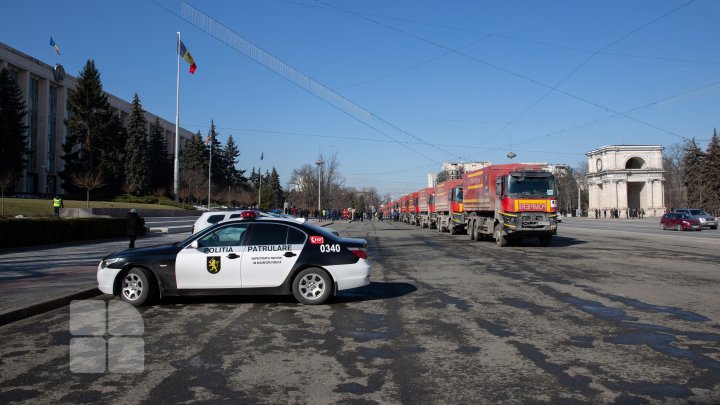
(248, 215)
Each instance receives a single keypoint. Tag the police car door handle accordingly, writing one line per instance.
(232, 256)
(289, 254)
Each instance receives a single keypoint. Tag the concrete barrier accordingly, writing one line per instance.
(122, 212)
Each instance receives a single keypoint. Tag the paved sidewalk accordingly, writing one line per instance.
(37, 279)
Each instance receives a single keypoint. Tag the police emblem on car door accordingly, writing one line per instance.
(272, 251)
(213, 264)
(213, 260)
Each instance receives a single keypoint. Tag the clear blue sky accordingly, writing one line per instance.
(453, 80)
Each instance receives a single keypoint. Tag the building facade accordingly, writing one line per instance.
(45, 89)
(626, 177)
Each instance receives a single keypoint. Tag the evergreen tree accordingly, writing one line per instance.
(692, 180)
(254, 179)
(137, 164)
(95, 139)
(218, 161)
(229, 156)
(710, 174)
(276, 190)
(194, 156)
(161, 167)
(13, 131)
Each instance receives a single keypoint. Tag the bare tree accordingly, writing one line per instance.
(196, 183)
(305, 182)
(675, 192)
(332, 182)
(88, 180)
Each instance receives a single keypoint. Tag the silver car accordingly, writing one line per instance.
(707, 220)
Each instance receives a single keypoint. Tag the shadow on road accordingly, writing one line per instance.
(557, 241)
(371, 292)
(375, 291)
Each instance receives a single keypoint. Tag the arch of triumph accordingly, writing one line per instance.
(626, 177)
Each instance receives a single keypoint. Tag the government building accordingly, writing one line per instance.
(45, 89)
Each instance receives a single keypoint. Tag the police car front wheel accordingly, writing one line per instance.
(136, 287)
(312, 286)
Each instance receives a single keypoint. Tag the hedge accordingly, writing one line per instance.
(38, 231)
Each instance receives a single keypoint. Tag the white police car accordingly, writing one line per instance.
(251, 255)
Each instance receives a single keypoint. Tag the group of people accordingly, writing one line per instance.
(630, 213)
(334, 214)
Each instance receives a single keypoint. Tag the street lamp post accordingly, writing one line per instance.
(319, 163)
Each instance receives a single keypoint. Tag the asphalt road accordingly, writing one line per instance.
(604, 315)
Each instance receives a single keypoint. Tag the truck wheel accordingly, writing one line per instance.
(545, 240)
(500, 237)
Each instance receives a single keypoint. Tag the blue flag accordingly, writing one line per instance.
(261, 155)
(52, 43)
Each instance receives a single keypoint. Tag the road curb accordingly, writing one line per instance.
(36, 309)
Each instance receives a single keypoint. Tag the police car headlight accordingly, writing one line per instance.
(109, 262)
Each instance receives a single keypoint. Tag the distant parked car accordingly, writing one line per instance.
(680, 222)
(707, 220)
(209, 218)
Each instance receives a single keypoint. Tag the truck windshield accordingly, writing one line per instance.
(531, 186)
(457, 194)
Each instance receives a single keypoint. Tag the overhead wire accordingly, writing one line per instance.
(583, 63)
(235, 41)
(500, 35)
(498, 67)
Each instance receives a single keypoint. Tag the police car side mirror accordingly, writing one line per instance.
(193, 245)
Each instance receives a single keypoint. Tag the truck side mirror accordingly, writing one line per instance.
(498, 186)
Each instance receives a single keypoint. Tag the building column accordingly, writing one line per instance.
(43, 129)
(60, 137)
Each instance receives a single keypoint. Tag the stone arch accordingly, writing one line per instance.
(635, 163)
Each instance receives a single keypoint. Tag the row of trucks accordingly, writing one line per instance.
(504, 202)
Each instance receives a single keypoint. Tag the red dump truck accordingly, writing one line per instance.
(426, 207)
(509, 201)
(448, 206)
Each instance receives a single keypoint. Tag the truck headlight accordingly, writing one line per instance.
(510, 220)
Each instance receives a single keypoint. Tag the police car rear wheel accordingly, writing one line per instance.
(136, 287)
(312, 286)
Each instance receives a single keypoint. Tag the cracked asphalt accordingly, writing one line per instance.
(605, 315)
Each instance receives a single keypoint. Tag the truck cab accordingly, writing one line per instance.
(527, 206)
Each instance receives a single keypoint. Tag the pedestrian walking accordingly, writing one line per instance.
(57, 204)
(135, 226)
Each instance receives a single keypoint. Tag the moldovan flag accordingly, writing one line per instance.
(261, 155)
(52, 43)
(188, 58)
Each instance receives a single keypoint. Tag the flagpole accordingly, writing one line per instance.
(260, 188)
(176, 176)
(211, 139)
